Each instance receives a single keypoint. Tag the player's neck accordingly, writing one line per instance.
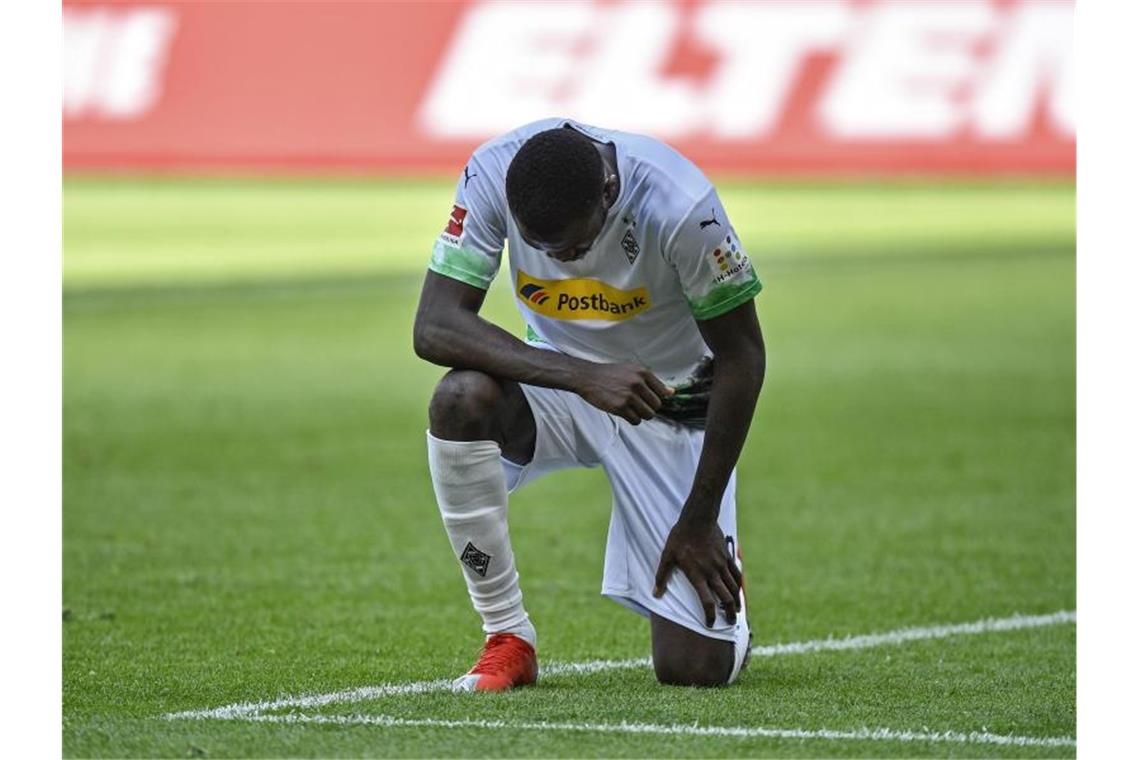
(609, 159)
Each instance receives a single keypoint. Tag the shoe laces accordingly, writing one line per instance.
(501, 652)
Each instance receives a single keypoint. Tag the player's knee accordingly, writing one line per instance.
(679, 673)
(463, 405)
(709, 665)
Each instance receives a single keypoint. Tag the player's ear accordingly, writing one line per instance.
(610, 190)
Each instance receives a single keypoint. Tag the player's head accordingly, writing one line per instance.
(558, 192)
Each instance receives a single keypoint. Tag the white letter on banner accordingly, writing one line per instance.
(84, 39)
(907, 63)
(763, 46)
(134, 72)
(113, 61)
(505, 67)
(1035, 54)
(621, 82)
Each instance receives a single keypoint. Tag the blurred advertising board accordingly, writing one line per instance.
(806, 87)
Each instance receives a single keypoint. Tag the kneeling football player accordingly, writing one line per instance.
(643, 355)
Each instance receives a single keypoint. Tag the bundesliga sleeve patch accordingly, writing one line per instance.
(463, 251)
(454, 229)
(455, 222)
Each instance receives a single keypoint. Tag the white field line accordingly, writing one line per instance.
(254, 710)
(903, 635)
(863, 734)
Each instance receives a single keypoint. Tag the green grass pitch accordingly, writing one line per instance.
(248, 516)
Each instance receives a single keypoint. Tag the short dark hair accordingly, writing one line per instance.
(554, 180)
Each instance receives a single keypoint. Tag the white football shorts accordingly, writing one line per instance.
(650, 468)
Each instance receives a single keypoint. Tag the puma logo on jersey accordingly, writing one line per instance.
(707, 222)
(580, 298)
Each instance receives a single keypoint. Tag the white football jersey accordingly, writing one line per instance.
(666, 257)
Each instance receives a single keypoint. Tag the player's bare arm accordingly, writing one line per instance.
(696, 545)
(449, 332)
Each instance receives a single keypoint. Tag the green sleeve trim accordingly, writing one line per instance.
(532, 336)
(472, 267)
(724, 298)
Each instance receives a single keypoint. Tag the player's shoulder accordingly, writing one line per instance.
(671, 185)
(666, 166)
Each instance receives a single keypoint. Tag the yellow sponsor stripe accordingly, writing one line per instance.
(580, 298)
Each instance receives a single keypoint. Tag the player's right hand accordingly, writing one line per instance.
(629, 391)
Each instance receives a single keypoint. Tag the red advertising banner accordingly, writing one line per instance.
(813, 86)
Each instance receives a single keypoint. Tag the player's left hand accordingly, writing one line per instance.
(699, 551)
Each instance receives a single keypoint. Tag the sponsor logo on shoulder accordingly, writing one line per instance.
(707, 222)
(728, 259)
(580, 298)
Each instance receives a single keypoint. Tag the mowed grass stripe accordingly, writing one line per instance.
(168, 230)
(255, 710)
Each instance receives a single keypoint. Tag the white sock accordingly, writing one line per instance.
(471, 491)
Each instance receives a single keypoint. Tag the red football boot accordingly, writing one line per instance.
(507, 661)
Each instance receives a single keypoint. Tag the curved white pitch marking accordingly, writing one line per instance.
(249, 710)
(743, 732)
(903, 635)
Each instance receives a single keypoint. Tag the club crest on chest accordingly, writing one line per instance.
(630, 246)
